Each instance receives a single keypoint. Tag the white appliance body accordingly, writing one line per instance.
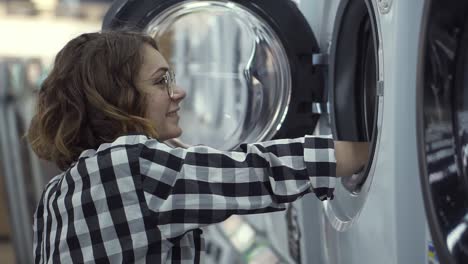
(391, 227)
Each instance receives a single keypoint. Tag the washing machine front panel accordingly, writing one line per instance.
(246, 66)
(443, 126)
(390, 227)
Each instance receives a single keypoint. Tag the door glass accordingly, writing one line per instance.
(461, 110)
(445, 126)
(369, 72)
(355, 81)
(232, 66)
(440, 148)
(366, 96)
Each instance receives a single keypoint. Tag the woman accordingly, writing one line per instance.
(124, 196)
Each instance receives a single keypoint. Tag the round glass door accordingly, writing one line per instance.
(443, 127)
(232, 66)
(246, 66)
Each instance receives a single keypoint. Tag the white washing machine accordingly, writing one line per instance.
(383, 222)
(419, 173)
(378, 215)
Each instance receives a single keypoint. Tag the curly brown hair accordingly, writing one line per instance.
(90, 96)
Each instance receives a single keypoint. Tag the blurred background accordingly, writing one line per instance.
(32, 31)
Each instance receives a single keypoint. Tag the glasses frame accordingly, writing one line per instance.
(169, 82)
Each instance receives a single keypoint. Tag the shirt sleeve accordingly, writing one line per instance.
(190, 188)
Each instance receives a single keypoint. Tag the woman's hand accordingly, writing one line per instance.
(351, 157)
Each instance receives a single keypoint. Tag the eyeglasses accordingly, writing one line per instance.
(169, 82)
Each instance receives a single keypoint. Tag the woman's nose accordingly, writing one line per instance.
(179, 94)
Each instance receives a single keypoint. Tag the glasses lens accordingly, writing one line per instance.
(170, 83)
(172, 75)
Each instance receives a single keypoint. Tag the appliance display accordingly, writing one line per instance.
(389, 72)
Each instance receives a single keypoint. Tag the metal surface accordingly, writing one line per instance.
(391, 225)
(385, 6)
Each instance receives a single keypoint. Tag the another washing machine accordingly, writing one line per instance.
(254, 70)
(442, 123)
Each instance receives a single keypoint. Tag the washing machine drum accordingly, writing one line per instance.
(246, 65)
(443, 126)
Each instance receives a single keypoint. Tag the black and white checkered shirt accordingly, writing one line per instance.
(137, 200)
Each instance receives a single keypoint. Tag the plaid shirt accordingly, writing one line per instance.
(137, 200)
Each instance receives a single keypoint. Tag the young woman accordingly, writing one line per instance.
(124, 196)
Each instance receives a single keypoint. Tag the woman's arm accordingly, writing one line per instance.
(193, 187)
(351, 157)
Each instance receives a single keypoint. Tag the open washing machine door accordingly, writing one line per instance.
(355, 102)
(442, 115)
(246, 65)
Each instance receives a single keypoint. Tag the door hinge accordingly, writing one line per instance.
(320, 108)
(385, 6)
(320, 59)
(380, 88)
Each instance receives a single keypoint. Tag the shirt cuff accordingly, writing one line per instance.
(320, 161)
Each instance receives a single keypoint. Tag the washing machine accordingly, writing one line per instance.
(377, 215)
(383, 221)
(416, 205)
(441, 125)
(255, 70)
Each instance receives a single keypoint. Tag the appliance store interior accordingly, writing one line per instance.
(391, 73)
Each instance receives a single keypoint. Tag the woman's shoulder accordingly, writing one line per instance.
(111, 163)
(122, 142)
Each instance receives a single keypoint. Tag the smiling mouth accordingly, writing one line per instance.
(174, 112)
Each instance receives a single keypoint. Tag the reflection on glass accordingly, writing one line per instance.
(233, 68)
(441, 118)
(262, 254)
(366, 98)
(244, 238)
(461, 105)
(369, 79)
(241, 235)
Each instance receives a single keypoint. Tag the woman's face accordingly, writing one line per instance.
(161, 108)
